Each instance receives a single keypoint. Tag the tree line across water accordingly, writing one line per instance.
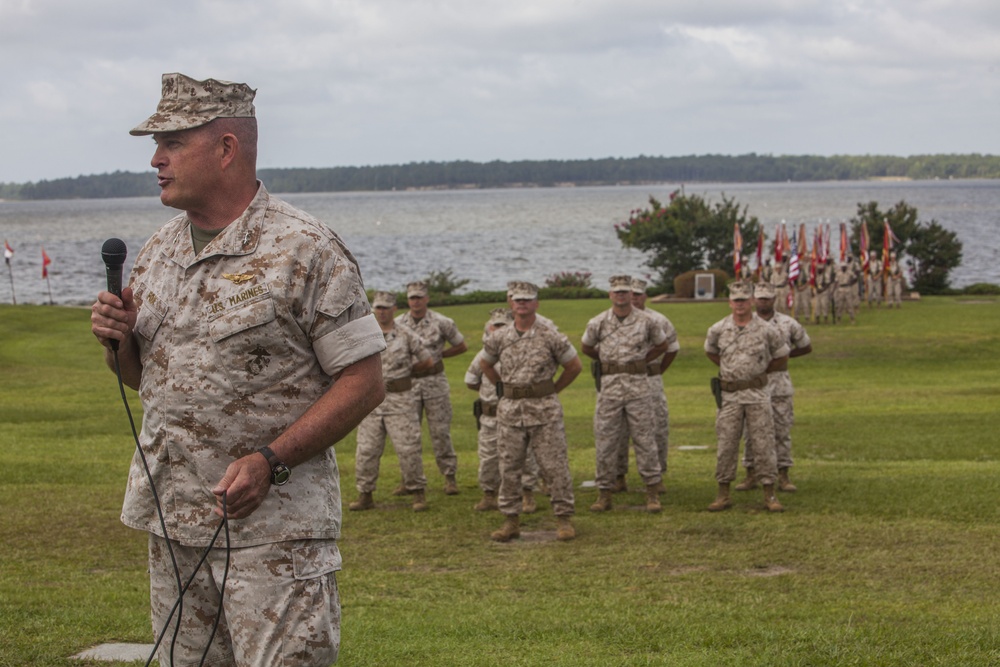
(750, 168)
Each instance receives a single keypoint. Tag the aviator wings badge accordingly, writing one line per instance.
(238, 278)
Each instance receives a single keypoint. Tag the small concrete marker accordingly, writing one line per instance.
(119, 652)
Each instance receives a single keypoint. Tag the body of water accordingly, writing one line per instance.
(486, 236)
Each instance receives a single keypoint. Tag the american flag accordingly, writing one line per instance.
(793, 260)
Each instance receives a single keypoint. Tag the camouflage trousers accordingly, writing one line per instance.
(616, 420)
(802, 299)
(281, 606)
(821, 305)
(548, 441)
(438, 411)
(894, 293)
(404, 430)
(489, 459)
(784, 417)
(661, 435)
(844, 302)
(728, 429)
(781, 299)
(875, 291)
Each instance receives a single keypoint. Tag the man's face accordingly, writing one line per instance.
(384, 314)
(621, 298)
(524, 306)
(418, 305)
(740, 307)
(765, 306)
(187, 167)
(639, 300)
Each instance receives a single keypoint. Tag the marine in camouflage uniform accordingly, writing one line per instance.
(486, 436)
(873, 279)
(745, 348)
(654, 373)
(397, 417)
(822, 296)
(430, 388)
(780, 387)
(846, 292)
(247, 333)
(529, 414)
(894, 283)
(779, 278)
(624, 340)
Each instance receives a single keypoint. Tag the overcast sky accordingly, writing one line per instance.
(363, 82)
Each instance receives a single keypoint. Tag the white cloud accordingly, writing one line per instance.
(385, 81)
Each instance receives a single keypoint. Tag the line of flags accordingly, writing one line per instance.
(796, 247)
(8, 254)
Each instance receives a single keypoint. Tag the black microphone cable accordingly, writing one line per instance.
(178, 607)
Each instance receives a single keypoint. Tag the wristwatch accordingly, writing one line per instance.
(279, 471)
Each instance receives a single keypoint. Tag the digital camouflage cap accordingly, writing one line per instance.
(186, 103)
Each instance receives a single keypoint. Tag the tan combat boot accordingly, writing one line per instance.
(419, 501)
(401, 491)
(621, 486)
(364, 502)
(653, 499)
(489, 502)
(749, 483)
(450, 486)
(722, 501)
(771, 501)
(603, 503)
(784, 484)
(564, 529)
(509, 530)
(528, 505)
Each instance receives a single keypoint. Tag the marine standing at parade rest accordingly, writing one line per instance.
(485, 411)
(246, 331)
(624, 340)
(779, 278)
(430, 388)
(803, 294)
(845, 295)
(873, 277)
(397, 416)
(529, 414)
(779, 386)
(745, 348)
(894, 278)
(654, 375)
(822, 296)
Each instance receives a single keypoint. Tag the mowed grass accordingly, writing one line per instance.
(886, 556)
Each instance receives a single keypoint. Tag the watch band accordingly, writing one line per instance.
(279, 471)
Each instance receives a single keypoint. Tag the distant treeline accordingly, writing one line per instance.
(751, 168)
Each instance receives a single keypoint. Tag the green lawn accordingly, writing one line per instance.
(886, 556)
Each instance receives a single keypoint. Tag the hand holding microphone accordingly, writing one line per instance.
(113, 253)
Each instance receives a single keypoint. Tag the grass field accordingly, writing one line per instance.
(886, 556)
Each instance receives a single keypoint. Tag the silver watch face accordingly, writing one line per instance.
(280, 474)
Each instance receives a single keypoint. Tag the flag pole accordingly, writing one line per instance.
(10, 272)
(48, 283)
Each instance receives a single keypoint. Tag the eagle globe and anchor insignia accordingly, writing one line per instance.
(259, 361)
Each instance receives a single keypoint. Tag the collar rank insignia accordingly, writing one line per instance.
(238, 278)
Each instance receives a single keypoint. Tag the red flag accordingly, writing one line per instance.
(46, 260)
(778, 245)
(760, 253)
(8, 252)
(888, 241)
(864, 242)
(737, 250)
(844, 244)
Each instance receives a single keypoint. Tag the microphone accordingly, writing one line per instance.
(113, 252)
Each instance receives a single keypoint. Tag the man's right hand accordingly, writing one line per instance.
(112, 318)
